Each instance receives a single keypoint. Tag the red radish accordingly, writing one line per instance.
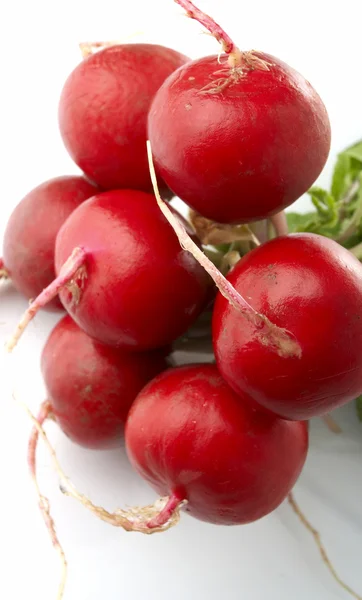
(103, 111)
(282, 345)
(122, 275)
(237, 137)
(32, 228)
(90, 386)
(311, 286)
(192, 438)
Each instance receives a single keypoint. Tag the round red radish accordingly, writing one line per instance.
(312, 287)
(32, 228)
(136, 288)
(192, 438)
(237, 137)
(91, 386)
(103, 111)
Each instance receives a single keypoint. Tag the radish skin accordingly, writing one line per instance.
(71, 269)
(258, 125)
(116, 256)
(31, 231)
(276, 338)
(103, 111)
(91, 386)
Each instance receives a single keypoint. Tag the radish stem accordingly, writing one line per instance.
(158, 517)
(66, 276)
(4, 273)
(282, 341)
(280, 223)
(322, 550)
(44, 413)
(219, 34)
(332, 424)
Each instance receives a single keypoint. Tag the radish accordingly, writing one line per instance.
(289, 344)
(122, 275)
(210, 450)
(103, 111)
(90, 386)
(193, 439)
(32, 228)
(313, 287)
(239, 136)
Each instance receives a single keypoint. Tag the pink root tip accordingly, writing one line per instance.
(67, 273)
(166, 513)
(219, 34)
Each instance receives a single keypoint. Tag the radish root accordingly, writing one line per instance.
(280, 223)
(4, 273)
(270, 335)
(317, 538)
(154, 518)
(72, 270)
(219, 34)
(332, 425)
(89, 48)
(237, 60)
(44, 506)
(210, 232)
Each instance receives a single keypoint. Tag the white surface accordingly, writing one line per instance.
(274, 559)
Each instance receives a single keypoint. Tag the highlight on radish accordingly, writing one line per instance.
(29, 240)
(258, 126)
(103, 111)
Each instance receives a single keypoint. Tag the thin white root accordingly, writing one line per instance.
(322, 551)
(44, 504)
(72, 268)
(332, 425)
(154, 518)
(269, 334)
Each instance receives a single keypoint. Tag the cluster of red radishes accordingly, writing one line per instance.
(238, 137)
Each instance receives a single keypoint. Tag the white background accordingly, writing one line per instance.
(274, 559)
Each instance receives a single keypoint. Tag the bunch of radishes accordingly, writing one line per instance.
(238, 137)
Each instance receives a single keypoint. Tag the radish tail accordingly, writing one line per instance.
(322, 550)
(66, 276)
(280, 223)
(44, 414)
(277, 338)
(219, 34)
(4, 273)
(332, 424)
(158, 517)
(166, 514)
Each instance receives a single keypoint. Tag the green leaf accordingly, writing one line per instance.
(299, 222)
(325, 205)
(355, 151)
(341, 176)
(359, 407)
